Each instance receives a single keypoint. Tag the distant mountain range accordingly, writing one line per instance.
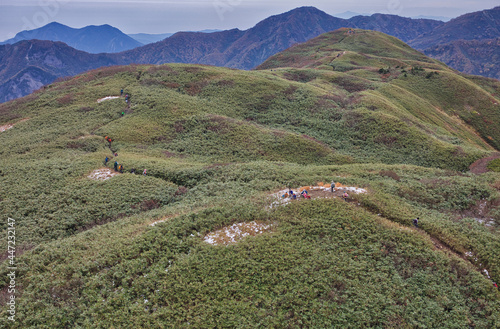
(146, 38)
(247, 49)
(92, 39)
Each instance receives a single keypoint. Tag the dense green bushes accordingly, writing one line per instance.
(326, 264)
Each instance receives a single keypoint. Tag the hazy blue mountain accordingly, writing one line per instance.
(436, 18)
(91, 39)
(348, 14)
(146, 38)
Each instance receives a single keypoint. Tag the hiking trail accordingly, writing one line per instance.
(481, 165)
(11, 125)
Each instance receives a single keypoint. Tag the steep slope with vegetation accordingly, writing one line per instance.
(373, 65)
(479, 25)
(355, 107)
(28, 65)
(479, 57)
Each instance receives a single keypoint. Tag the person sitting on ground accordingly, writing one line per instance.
(345, 196)
(132, 171)
(305, 195)
(284, 196)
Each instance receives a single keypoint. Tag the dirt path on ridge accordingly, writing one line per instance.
(480, 166)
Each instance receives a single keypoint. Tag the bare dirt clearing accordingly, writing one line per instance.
(102, 174)
(234, 233)
(107, 98)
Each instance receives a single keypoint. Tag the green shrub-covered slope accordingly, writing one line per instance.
(352, 106)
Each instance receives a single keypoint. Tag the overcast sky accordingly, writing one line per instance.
(156, 16)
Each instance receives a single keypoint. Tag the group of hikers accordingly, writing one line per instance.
(293, 195)
(118, 167)
(304, 194)
(127, 97)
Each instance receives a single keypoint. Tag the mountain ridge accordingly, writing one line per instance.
(92, 39)
(479, 25)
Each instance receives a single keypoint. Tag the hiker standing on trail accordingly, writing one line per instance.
(345, 196)
(415, 222)
(120, 169)
(109, 141)
(332, 187)
(106, 161)
(116, 166)
(144, 172)
(121, 92)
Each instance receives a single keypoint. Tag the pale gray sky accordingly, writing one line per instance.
(156, 16)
